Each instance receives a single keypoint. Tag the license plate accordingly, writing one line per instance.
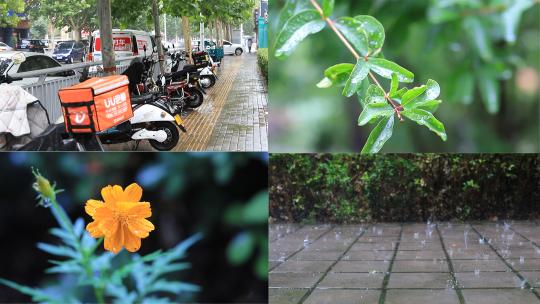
(179, 120)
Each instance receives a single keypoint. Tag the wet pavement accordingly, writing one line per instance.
(473, 263)
(233, 116)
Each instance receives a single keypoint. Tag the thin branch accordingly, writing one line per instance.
(396, 106)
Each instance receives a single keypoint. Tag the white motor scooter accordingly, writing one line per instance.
(151, 121)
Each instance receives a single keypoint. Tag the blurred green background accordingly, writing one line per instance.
(304, 118)
(222, 195)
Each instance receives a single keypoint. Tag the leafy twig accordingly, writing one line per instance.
(396, 106)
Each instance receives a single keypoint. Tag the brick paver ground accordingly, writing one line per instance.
(409, 263)
(233, 116)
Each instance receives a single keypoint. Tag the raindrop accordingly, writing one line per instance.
(306, 241)
(476, 272)
(521, 259)
(481, 241)
(416, 235)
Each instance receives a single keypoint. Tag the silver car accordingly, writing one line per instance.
(12, 62)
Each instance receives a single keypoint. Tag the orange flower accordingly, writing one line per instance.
(121, 218)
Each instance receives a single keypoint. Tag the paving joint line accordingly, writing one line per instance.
(532, 242)
(386, 279)
(527, 285)
(310, 291)
(450, 267)
(303, 247)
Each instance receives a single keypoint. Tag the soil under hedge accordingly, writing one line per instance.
(352, 188)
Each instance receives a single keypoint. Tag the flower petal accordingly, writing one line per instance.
(115, 241)
(112, 194)
(109, 226)
(141, 209)
(131, 241)
(92, 205)
(132, 193)
(140, 227)
(103, 213)
(94, 230)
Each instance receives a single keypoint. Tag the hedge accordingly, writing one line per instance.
(262, 59)
(353, 188)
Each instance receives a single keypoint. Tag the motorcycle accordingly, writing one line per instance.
(204, 67)
(152, 117)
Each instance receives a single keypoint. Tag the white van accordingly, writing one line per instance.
(126, 43)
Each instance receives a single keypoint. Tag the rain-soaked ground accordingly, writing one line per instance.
(477, 263)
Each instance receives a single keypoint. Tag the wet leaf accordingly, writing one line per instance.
(478, 36)
(240, 248)
(425, 118)
(359, 73)
(296, 29)
(328, 7)
(350, 28)
(338, 74)
(489, 90)
(374, 31)
(393, 85)
(374, 110)
(385, 68)
(379, 135)
(512, 16)
(412, 94)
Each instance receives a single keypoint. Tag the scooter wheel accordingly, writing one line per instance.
(196, 99)
(208, 81)
(172, 136)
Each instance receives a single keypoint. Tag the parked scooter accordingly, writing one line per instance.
(152, 118)
(204, 67)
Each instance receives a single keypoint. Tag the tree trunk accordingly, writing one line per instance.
(161, 57)
(76, 33)
(105, 32)
(186, 32)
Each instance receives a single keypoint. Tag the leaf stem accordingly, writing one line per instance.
(396, 106)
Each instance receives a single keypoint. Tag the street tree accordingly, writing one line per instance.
(7, 10)
(76, 15)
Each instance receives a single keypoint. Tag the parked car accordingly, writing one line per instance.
(31, 45)
(10, 63)
(126, 43)
(69, 52)
(5, 47)
(230, 48)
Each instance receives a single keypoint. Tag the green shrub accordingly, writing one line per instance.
(349, 188)
(262, 59)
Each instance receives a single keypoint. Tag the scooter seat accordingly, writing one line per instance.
(142, 99)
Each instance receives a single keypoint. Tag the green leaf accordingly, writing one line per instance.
(359, 73)
(489, 89)
(58, 250)
(296, 29)
(399, 94)
(393, 85)
(512, 16)
(425, 118)
(479, 37)
(411, 94)
(375, 94)
(240, 248)
(430, 105)
(374, 110)
(385, 68)
(362, 92)
(36, 294)
(374, 31)
(324, 83)
(328, 7)
(337, 74)
(433, 90)
(261, 265)
(290, 9)
(379, 135)
(464, 87)
(351, 29)
(66, 267)
(172, 287)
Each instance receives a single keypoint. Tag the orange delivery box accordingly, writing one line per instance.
(97, 104)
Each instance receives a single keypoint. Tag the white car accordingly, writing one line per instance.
(12, 62)
(5, 47)
(230, 48)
